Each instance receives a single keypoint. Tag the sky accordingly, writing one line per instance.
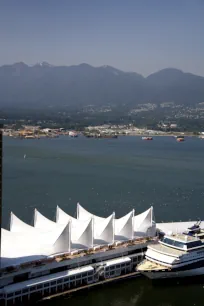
(132, 35)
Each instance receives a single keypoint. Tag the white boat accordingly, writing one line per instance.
(175, 255)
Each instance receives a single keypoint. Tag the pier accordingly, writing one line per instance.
(102, 282)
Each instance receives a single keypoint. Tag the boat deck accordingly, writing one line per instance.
(158, 247)
(147, 265)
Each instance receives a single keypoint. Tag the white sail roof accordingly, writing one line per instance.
(42, 222)
(62, 217)
(25, 246)
(144, 224)
(26, 243)
(124, 226)
(17, 225)
(103, 227)
(104, 230)
(81, 230)
(83, 214)
(63, 242)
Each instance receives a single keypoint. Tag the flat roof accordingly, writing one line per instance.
(117, 261)
(44, 279)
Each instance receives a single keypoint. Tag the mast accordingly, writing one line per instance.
(133, 215)
(113, 240)
(1, 162)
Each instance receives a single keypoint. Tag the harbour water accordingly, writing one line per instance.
(107, 175)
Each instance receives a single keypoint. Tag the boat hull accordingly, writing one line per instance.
(174, 274)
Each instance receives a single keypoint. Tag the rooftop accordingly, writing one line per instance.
(117, 261)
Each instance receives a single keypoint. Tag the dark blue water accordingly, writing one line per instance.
(107, 175)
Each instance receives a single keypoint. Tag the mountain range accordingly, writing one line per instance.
(47, 85)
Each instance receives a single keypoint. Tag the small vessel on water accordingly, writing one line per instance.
(73, 134)
(175, 255)
(180, 138)
(147, 138)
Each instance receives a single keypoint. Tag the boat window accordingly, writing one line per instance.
(194, 244)
(177, 244)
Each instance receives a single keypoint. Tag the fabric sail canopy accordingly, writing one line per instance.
(24, 242)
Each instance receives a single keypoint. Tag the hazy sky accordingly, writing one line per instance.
(132, 35)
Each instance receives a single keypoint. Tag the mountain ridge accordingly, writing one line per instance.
(48, 85)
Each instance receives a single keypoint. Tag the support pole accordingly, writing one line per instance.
(1, 163)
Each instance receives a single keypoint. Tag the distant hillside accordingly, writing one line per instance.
(46, 85)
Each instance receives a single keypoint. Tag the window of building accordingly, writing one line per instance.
(10, 295)
(53, 283)
(39, 286)
(18, 292)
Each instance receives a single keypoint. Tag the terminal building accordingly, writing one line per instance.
(56, 256)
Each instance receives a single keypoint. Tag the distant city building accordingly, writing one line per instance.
(173, 125)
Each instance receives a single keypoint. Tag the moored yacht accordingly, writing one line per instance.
(175, 255)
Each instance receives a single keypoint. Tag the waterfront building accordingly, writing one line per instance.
(56, 256)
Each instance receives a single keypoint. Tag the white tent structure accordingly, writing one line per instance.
(81, 230)
(18, 226)
(41, 222)
(104, 228)
(83, 214)
(26, 243)
(124, 227)
(144, 224)
(129, 226)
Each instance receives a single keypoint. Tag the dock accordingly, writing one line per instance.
(102, 282)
